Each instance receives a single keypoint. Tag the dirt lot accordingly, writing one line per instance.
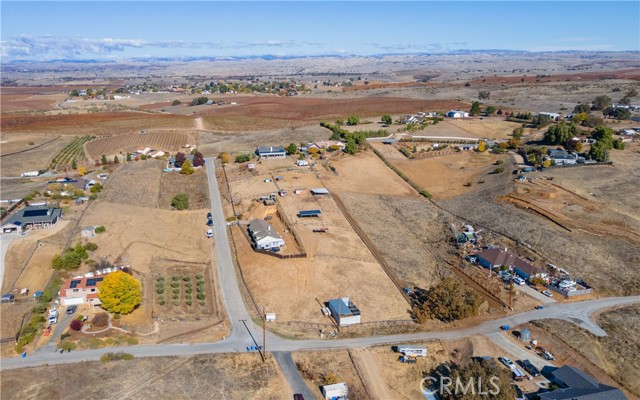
(172, 183)
(337, 259)
(229, 376)
(136, 183)
(31, 160)
(616, 354)
(475, 128)
(446, 176)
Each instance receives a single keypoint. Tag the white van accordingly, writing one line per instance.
(413, 351)
(518, 281)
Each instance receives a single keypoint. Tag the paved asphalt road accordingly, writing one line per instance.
(242, 332)
(292, 375)
(5, 241)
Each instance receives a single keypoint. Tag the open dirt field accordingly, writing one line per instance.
(36, 156)
(96, 124)
(445, 177)
(135, 183)
(475, 128)
(165, 140)
(616, 354)
(195, 185)
(229, 376)
(15, 99)
(337, 259)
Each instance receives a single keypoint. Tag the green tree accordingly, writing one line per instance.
(617, 113)
(180, 201)
(582, 108)
(633, 92)
(449, 301)
(351, 147)
(475, 108)
(598, 151)
(353, 120)
(74, 93)
(484, 95)
(517, 133)
(601, 102)
(386, 119)
(187, 168)
(242, 157)
(120, 292)
(561, 133)
(116, 160)
(96, 188)
(128, 157)
(292, 148)
(491, 110)
(604, 135)
(592, 121)
(618, 144)
(541, 120)
(176, 103)
(103, 159)
(74, 164)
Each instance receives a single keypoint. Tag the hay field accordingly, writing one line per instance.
(229, 376)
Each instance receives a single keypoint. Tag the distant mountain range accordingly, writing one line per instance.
(271, 57)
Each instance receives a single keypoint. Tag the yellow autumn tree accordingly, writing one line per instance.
(481, 146)
(120, 292)
(82, 170)
(224, 157)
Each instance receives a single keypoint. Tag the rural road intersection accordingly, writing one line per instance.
(245, 333)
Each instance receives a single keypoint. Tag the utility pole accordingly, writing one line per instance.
(511, 294)
(264, 335)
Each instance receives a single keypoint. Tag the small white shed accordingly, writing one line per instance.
(337, 391)
(270, 317)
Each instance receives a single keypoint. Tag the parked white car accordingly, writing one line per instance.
(518, 281)
(210, 233)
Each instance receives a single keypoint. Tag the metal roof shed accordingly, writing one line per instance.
(320, 191)
(309, 213)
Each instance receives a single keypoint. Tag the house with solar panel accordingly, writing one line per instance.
(80, 290)
(344, 311)
(32, 217)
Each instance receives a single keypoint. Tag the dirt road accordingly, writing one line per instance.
(370, 374)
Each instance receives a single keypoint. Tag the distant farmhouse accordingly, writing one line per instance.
(457, 114)
(264, 236)
(271, 152)
(32, 217)
(562, 157)
(576, 385)
(494, 258)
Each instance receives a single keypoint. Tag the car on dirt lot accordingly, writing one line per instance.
(547, 293)
(507, 362)
(210, 233)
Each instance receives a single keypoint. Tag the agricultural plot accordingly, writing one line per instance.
(184, 292)
(158, 140)
(74, 151)
(33, 159)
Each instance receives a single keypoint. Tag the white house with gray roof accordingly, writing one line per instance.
(271, 152)
(264, 236)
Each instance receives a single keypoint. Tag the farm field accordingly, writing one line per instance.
(282, 111)
(337, 259)
(30, 160)
(232, 376)
(24, 99)
(209, 142)
(96, 124)
(165, 140)
(135, 183)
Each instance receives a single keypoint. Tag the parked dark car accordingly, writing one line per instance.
(530, 368)
(298, 396)
(209, 216)
(71, 309)
(210, 222)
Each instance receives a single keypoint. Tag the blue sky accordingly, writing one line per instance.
(120, 30)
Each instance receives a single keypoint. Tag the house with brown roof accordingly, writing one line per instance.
(80, 290)
(495, 258)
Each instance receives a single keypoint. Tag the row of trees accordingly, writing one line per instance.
(73, 257)
(447, 301)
